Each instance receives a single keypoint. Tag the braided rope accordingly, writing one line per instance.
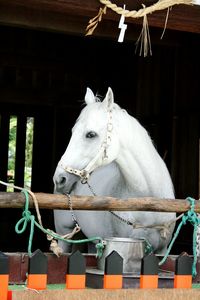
(29, 218)
(192, 217)
(144, 38)
(160, 5)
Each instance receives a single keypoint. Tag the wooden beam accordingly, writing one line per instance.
(72, 16)
(57, 201)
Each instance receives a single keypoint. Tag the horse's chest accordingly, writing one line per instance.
(103, 224)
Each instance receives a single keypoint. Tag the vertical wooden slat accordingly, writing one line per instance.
(185, 155)
(20, 150)
(4, 141)
(42, 152)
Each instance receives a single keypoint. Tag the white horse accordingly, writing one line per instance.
(111, 150)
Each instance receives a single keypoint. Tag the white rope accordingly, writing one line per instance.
(54, 245)
(198, 238)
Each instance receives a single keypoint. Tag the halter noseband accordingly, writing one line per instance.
(84, 174)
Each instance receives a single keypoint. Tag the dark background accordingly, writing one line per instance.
(45, 75)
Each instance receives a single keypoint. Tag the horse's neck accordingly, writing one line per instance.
(143, 169)
(104, 181)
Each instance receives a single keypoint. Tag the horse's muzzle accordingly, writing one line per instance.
(63, 181)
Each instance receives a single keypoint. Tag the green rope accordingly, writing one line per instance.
(189, 216)
(148, 247)
(28, 217)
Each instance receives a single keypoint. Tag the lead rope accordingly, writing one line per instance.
(198, 238)
(114, 214)
(74, 219)
(148, 246)
(192, 217)
(28, 217)
(164, 229)
(99, 246)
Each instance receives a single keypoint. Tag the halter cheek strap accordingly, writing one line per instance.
(84, 174)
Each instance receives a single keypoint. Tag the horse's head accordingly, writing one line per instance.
(94, 142)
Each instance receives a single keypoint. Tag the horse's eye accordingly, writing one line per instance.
(90, 134)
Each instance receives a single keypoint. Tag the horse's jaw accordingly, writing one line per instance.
(64, 182)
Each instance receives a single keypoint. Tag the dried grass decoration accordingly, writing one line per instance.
(144, 38)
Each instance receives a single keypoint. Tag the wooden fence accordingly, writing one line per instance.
(112, 278)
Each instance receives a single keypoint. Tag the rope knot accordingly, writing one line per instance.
(191, 214)
(192, 217)
(184, 219)
(100, 246)
(27, 215)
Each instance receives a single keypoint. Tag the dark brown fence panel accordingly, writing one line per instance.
(42, 171)
(4, 141)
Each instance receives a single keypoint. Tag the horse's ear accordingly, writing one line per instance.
(109, 99)
(89, 96)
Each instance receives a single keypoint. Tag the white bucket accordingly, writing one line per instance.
(131, 250)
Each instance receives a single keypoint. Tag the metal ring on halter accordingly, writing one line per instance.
(84, 180)
(84, 176)
(109, 127)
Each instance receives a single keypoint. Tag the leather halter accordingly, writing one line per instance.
(85, 173)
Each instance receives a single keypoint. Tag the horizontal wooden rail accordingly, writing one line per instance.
(57, 201)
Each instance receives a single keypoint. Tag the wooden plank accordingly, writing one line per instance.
(73, 16)
(57, 201)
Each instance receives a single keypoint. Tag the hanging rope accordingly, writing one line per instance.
(189, 216)
(160, 5)
(28, 217)
(51, 235)
(144, 38)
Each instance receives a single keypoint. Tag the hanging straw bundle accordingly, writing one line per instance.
(144, 38)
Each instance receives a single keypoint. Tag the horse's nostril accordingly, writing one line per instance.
(62, 181)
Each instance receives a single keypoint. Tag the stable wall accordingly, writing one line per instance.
(45, 75)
